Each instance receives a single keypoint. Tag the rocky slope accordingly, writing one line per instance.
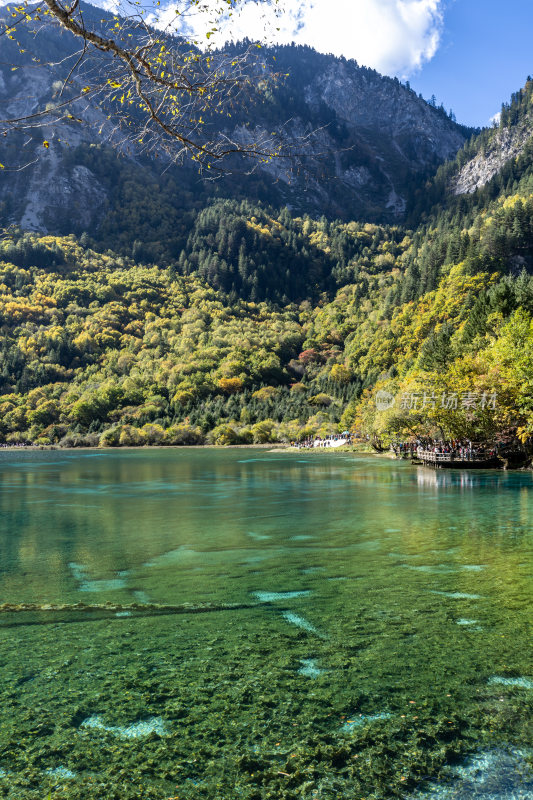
(486, 155)
(505, 145)
(369, 139)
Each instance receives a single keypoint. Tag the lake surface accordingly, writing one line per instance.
(381, 647)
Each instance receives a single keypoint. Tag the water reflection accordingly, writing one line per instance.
(131, 521)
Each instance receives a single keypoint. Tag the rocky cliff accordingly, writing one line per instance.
(504, 145)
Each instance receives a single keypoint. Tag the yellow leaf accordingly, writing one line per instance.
(46, 144)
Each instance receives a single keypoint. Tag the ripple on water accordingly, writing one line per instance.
(136, 730)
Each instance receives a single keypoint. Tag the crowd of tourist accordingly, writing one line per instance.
(335, 440)
(456, 449)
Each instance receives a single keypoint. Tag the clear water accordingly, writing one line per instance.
(381, 647)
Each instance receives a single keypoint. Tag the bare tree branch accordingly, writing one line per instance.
(159, 92)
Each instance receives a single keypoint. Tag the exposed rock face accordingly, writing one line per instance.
(365, 100)
(367, 138)
(505, 145)
(71, 198)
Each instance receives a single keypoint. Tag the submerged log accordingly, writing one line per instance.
(76, 612)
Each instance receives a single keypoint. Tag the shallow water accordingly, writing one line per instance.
(385, 639)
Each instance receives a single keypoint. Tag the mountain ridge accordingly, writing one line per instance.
(368, 138)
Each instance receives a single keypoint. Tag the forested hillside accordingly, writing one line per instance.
(231, 321)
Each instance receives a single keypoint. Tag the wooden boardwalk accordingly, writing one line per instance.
(454, 461)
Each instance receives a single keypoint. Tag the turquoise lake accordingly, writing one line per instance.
(380, 644)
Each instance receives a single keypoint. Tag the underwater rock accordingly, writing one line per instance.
(111, 585)
(458, 595)
(80, 575)
(136, 730)
(61, 772)
(141, 596)
(172, 556)
(272, 597)
(79, 572)
(300, 622)
(439, 569)
(523, 683)
(309, 668)
(363, 719)
(488, 775)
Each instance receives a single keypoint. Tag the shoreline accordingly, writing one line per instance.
(270, 447)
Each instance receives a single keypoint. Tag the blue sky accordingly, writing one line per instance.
(485, 54)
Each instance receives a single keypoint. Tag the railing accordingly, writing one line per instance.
(425, 455)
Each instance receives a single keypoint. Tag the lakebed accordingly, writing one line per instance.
(377, 648)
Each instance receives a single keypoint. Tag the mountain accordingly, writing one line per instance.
(368, 140)
(152, 307)
(100, 348)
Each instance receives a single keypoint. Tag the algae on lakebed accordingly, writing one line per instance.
(193, 710)
(245, 702)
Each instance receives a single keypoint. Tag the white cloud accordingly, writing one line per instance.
(394, 36)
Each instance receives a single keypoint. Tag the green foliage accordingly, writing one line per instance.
(97, 349)
(238, 323)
